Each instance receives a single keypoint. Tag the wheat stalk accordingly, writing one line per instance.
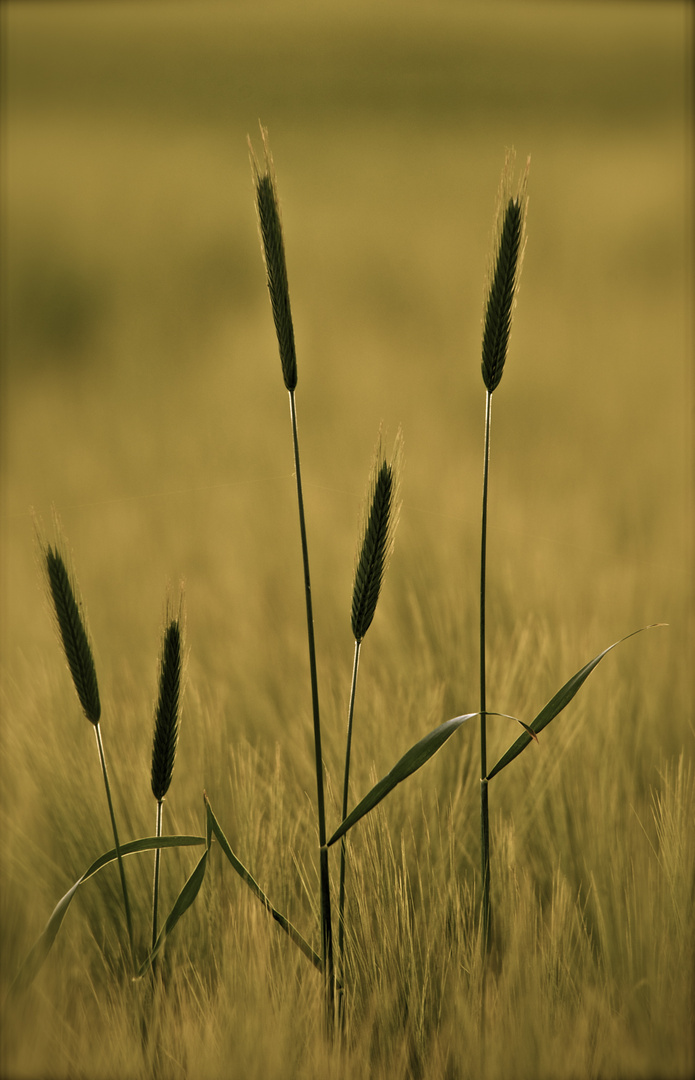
(272, 244)
(166, 732)
(72, 626)
(503, 282)
(377, 534)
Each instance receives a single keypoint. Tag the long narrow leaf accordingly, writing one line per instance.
(214, 826)
(181, 905)
(558, 703)
(42, 946)
(412, 760)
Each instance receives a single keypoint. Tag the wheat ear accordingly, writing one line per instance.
(377, 534)
(504, 274)
(166, 734)
(72, 626)
(503, 281)
(273, 247)
(270, 227)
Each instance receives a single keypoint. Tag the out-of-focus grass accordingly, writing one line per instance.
(142, 395)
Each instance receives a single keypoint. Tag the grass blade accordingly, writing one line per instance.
(181, 905)
(290, 930)
(559, 701)
(412, 760)
(43, 944)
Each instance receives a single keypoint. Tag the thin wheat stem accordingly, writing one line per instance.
(155, 884)
(273, 247)
(484, 814)
(121, 869)
(326, 928)
(346, 788)
(502, 287)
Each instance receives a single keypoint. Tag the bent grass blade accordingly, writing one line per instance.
(559, 701)
(290, 930)
(41, 948)
(181, 905)
(412, 760)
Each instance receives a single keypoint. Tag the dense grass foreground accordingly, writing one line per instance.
(592, 886)
(141, 395)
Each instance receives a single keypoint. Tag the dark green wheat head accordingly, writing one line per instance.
(167, 712)
(376, 536)
(272, 244)
(72, 626)
(504, 275)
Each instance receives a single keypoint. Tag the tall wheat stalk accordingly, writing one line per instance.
(501, 292)
(377, 534)
(166, 735)
(72, 627)
(273, 247)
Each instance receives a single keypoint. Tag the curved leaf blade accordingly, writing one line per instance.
(417, 756)
(213, 826)
(559, 701)
(181, 905)
(42, 946)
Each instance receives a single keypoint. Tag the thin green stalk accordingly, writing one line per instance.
(502, 286)
(121, 870)
(326, 928)
(155, 884)
(377, 534)
(72, 627)
(484, 813)
(273, 247)
(346, 787)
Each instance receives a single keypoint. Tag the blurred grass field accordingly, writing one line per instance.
(142, 397)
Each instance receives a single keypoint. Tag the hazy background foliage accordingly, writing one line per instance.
(142, 396)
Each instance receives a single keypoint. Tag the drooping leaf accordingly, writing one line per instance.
(558, 702)
(214, 827)
(43, 944)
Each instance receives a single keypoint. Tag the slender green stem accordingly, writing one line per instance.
(326, 930)
(346, 787)
(484, 815)
(155, 884)
(121, 870)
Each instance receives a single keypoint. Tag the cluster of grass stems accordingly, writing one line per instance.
(337, 969)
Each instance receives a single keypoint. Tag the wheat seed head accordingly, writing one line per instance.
(502, 282)
(273, 247)
(377, 535)
(168, 708)
(71, 621)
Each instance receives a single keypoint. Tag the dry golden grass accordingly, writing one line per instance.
(141, 397)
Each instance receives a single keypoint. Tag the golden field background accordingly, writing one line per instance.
(142, 397)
